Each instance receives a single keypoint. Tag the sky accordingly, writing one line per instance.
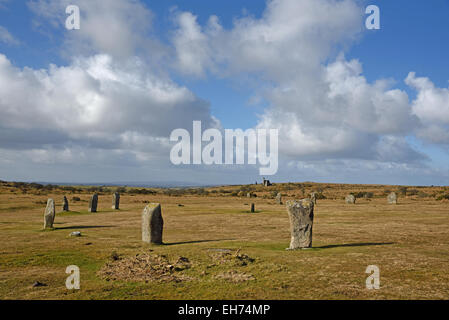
(98, 104)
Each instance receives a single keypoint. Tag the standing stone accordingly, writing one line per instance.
(350, 199)
(392, 198)
(152, 224)
(116, 201)
(248, 195)
(93, 202)
(301, 223)
(253, 208)
(49, 215)
(313, 197)
(279, 198)
(65, 204)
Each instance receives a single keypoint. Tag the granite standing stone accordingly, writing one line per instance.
(301, 223)
(116, 201)
(253, 208)
(152, 224)
(350, 199)
(65, 204)
(392, 198)
(313, 197)
(93, 203)
(49, 215)
(279, 198)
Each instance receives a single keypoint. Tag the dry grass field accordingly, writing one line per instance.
(214, 248)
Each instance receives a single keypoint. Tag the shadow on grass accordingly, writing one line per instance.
(365, 244)
(81, 227)
(195, 241)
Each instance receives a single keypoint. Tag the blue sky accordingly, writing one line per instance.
(413, 38)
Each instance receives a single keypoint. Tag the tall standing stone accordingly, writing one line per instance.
(93, 203)
(350, 199)
(152, 224)
(49, 215)
(253, 208)
(392, 198)
(65, 204)
(313, 197)
(301, 223)
(249, 195)
(279, 198)
(116, 201)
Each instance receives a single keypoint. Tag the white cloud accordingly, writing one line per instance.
(322, 109)
(292, 36)
(7, 37)
(94, 102)
(120, 28)
(432, 107)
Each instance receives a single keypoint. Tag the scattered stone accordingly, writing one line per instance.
(253, 208)
(88, 243)
(116, 201)
(65, 204)
(279, 198)
(313, 197)
(392, 198)
(152, 224)
(75, 234)
(180, 205)
(49, 215)
(301, 223)
(350, 199)
(38, 284)
(181, 264)
(93, 202)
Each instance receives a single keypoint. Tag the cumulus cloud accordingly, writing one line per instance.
(94, 102)
(322, 108)
(292, 36)
(432, 107)
(110, 103)
(120, 28)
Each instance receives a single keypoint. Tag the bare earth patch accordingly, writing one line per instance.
(227, 257)
(145, 267)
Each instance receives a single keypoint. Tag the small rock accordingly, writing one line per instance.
(75, 234)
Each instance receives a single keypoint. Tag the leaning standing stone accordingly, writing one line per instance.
(65, 204)
(93, 202)
(152, 224)
(116, 201)
(350, 199)
(49, 215)
(392, 198)
(279, 198)
(301, 223)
